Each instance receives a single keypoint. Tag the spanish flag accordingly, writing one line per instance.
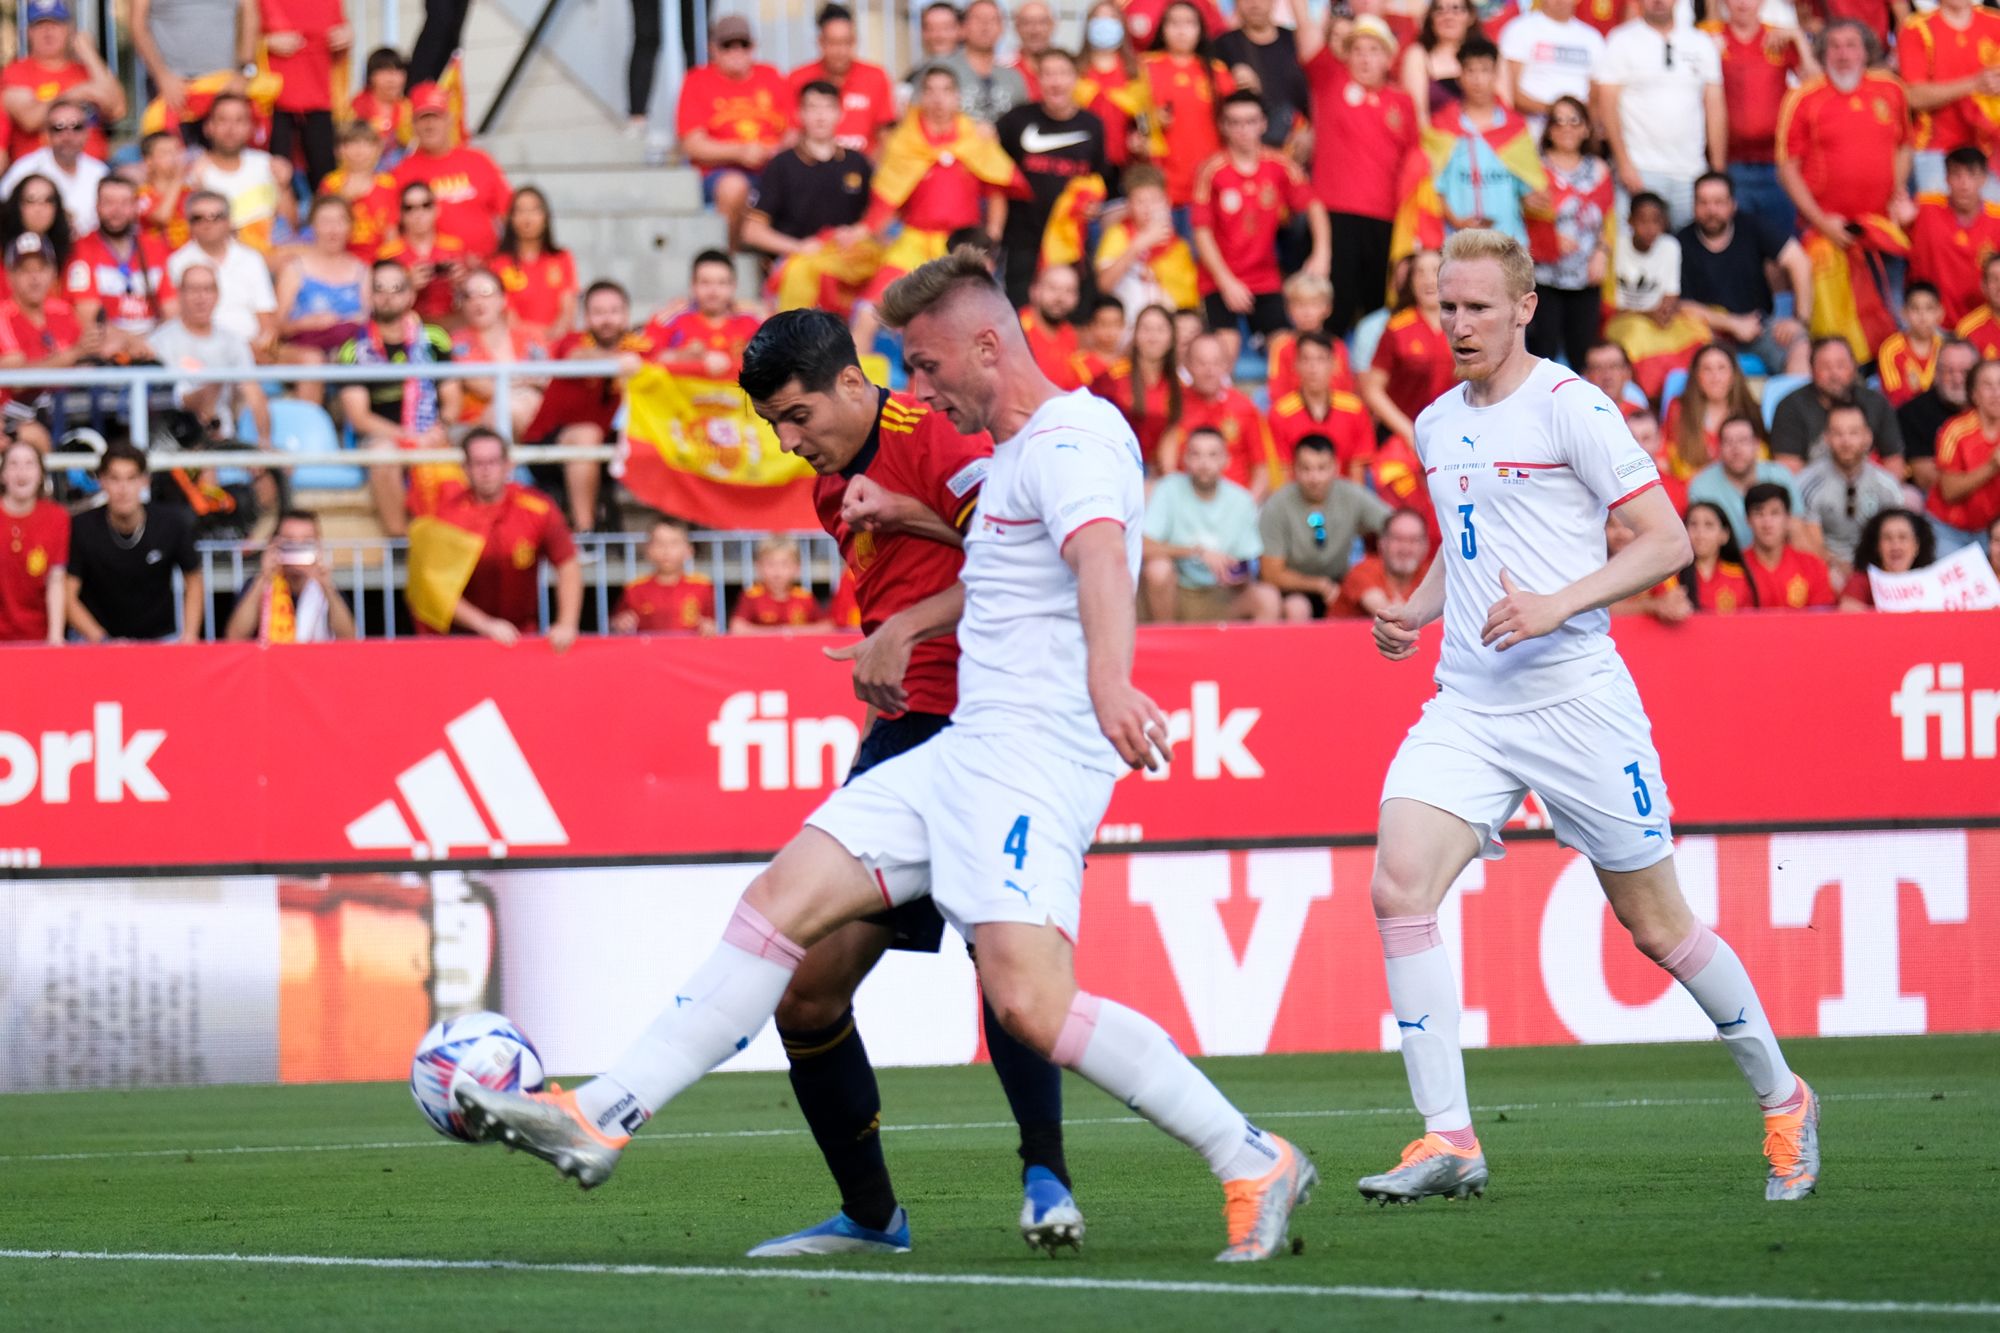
(1063, 237)
(1849, 285)
(262, 92)
(442, 558)
(909, 155)
(828, 278)
(693, 447)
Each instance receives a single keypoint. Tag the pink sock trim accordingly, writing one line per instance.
(1792, 1102)
(1458, 1138)
(749, 931)
(1076, 1031)
(1405, 935)
(1692, 954)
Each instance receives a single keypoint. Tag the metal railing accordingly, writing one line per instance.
(372, 572)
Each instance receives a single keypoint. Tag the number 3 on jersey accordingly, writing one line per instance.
(1016, 845)
(1468, 540)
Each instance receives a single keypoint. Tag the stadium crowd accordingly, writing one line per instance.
(1771, 235)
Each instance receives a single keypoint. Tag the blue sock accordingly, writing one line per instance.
(1034, 1091)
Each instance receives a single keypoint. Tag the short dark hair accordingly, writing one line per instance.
(120, 451)
(606, 285)
(1821, 343)
(678, 524)
(1763, 493)
(1241, 97)
(221, 98)
(819, 88)
(1847, 407)
(1647, 199)
(975, 238)
(117, 182)
(1315, 338)
(1756, 430)
(1106, 301)
(1716, 178)
(1058, 53)
(1206, 430)
(298, 516)
(385, 57)
(936, 5)
(1608, 346)
(1477, 46)
(710, 257)
(1918, 287)
(478, 433)
(1966, 156)
(1972, 376)
(1313, 444)
(833, 14)
(810, 346)
(395, 264)
(156, 137)
(937, 72)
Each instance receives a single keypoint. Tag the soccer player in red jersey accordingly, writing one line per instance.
(1315, 407)
(1783, 576)
(896, 487)
(1212, 402)
(867, 103)
(1243, 196)
(34, 548)
(521, 528)
(709, 339)
(1052, 299)
(673, 599)
(776, 601)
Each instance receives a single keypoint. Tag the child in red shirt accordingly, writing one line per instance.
(776, 602)
(672, 599)
(385, 104)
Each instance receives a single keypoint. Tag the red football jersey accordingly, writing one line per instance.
(1241, 424)
(30, 548)
(1244, 211)
(437, 297)
(472, 194)
(1054, 349)
(522, 529)
(760, 606)
(1726, 591)
(1950, 254)
(1417, 359)
(684, 342)
(1904, 373)
(1755, 78)
(753, 109)
(670, 607)
(47, 85)
(133, 290)
(1796, 582)
(541, 292)
(1346, 423)
(914, 452)
(1149, 418)
(867, 102)
(1281, 359)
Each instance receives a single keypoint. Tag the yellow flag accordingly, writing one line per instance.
(442, 557)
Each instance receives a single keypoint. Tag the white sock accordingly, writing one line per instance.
(1131, 1057)
(1424, 995)
(1712, 973)
(714, 1015)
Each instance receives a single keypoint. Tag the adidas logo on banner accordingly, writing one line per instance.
(445, 813)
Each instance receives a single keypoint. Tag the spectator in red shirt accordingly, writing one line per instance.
(1391, 575)
(37, 328)
(1364, 129)
(1187, 84)
(1100, 340)
(303, 38)
(1758, 63)
(578, 411)
(1243, 196)
(1956, 233)
(1783, 576)
(120, 273)
(1894, 541)
(1946, 58)
(1308, 307)
(492, 333)
(734, 115)
(34, 548)
(867, 102)
(163, 188)
(471, 191)
(1315, 407)
(1714, 580)
(370, 192)
(1052, 299)
(776, 602)
(437, 262)
(672, 599)
(1981, 327)
(1966, 498)
(59, 62)
(1034, 36)
(1907, 360)
(707, 339)
(1146, 386)
(1412, 362)
(522, 528)
(1213, 403)
(384, 104)
(538, 275)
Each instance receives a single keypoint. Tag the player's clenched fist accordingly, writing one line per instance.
(1396, 628)
(1134, 725)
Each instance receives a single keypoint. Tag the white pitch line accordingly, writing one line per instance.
(1135, 1286)
(683, 1136)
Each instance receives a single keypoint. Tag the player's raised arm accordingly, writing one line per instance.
(1130, 721)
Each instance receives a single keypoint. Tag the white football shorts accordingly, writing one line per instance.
(994, 828)
(1590, 759)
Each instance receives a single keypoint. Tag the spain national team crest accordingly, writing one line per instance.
(524, 555)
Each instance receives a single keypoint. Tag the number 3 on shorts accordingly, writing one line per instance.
(1642, 800)
(1016, 845)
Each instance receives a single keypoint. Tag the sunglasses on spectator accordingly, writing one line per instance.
(735, 44)
(1317, 522)
(68, 126)
(390, 289)
(418, 205)
(206, 216)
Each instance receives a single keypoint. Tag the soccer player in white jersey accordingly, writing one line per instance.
(992, 817)
(1523, 460)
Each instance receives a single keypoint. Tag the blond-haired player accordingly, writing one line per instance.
(1523, 460)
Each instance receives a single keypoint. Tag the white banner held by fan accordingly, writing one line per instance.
(1962, 581)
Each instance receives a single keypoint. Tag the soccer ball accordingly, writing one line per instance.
(484, 1047)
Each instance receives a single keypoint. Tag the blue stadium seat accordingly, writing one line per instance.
(1775, 389)
(1676, 383)
(305, 428)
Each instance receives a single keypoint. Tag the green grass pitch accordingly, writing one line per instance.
(1618, 1173)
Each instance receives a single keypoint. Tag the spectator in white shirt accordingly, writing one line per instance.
(1547, 53)
(195, 341)
(249, 305)
(1659, 97)
(63, 161)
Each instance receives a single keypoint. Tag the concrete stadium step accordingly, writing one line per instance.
(607, 189)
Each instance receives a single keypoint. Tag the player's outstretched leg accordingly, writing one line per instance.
(1029, 976)
(813, 887)
(1049, 1215)
(1648, 902)
(1419, 853)
(836, 1090)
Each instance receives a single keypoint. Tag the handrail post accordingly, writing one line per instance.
(142, 429)
(503, 405)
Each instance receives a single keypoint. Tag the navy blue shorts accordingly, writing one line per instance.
(918, 927)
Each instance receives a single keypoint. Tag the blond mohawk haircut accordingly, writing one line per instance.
(923, 288)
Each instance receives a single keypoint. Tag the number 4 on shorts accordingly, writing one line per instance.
(1016, 845)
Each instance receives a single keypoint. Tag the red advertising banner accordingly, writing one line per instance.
(454, 751)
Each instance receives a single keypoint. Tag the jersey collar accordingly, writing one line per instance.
(873, 443)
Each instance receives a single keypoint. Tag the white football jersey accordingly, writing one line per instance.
(1524, 485)
(1021, 666)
